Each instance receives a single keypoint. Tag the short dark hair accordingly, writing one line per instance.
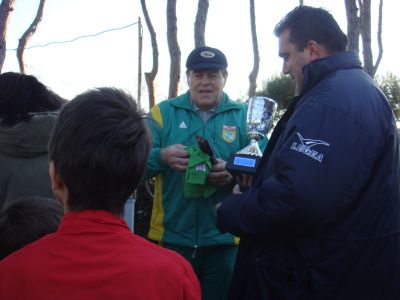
(99, 146)
(307, 23)
(26, 220)
(21, 95)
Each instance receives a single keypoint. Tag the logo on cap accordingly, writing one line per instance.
(207, 54)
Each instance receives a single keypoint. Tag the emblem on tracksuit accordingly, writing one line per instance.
(305, 147)
(229, 133)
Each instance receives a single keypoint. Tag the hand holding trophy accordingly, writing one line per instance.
(260, 114)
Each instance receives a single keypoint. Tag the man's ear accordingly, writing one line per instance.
(187, 78)
(58, 186)
(225, 76)
(316, 51)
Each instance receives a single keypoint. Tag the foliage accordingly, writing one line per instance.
(390, 85)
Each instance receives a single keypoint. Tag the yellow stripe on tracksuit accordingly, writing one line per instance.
(156, 114)
(157, 216)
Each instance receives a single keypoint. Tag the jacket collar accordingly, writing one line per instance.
(315, 71)
(184, 102)
(92, 220)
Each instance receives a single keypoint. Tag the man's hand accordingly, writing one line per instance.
(244, 180)
(219, 175)
(175, 156)
(236, 189)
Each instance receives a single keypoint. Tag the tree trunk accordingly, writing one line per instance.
(27, 35)
(174, 50)
(379, 37)
(361, 25)
(140, 54)
(200, 23)
(254, 73)
(365, 25)
(6, 8)
(149, 77)
(365, 29)
(353, 26)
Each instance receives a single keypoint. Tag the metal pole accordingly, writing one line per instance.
(140, 45)
(129, 211)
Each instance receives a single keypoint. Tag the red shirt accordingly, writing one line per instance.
(93, 255)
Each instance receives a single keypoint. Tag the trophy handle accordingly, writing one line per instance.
(251, 149)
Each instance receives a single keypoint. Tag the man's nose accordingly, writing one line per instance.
(285, 69)
(204, 79)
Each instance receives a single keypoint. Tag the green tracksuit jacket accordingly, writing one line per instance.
(190, 222)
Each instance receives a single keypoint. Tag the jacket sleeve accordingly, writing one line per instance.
(154, 163)
(321, 162)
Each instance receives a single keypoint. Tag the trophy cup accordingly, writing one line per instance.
(260, 113)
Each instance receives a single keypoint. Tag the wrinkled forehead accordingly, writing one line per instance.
(208, 72)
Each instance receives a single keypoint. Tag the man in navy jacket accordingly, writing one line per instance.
(322, 217)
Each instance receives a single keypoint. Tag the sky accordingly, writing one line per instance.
(111, 58)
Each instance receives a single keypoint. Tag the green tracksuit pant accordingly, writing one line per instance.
(213, 267)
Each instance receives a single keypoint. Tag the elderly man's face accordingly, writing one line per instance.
(206, 87)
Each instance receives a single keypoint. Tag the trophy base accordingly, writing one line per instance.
(242, 163)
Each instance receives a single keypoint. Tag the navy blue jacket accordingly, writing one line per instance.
(322, 220)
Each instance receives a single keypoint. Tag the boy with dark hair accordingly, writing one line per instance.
(26, 220)
(98, 151)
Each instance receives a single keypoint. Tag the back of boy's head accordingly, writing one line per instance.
(99, 146)
(26, 220)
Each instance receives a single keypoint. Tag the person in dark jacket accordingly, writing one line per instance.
(322, 217)
(28, 111)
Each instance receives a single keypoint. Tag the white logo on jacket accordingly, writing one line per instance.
(305, 146)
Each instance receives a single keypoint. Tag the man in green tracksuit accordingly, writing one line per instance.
(183, 216)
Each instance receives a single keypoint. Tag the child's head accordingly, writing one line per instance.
(99, 149)
(26, 220)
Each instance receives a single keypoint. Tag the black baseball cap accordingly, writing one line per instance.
(202, 58)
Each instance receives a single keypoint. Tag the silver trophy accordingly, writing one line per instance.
(260, 114)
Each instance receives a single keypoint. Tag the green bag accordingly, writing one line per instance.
(194, 181)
